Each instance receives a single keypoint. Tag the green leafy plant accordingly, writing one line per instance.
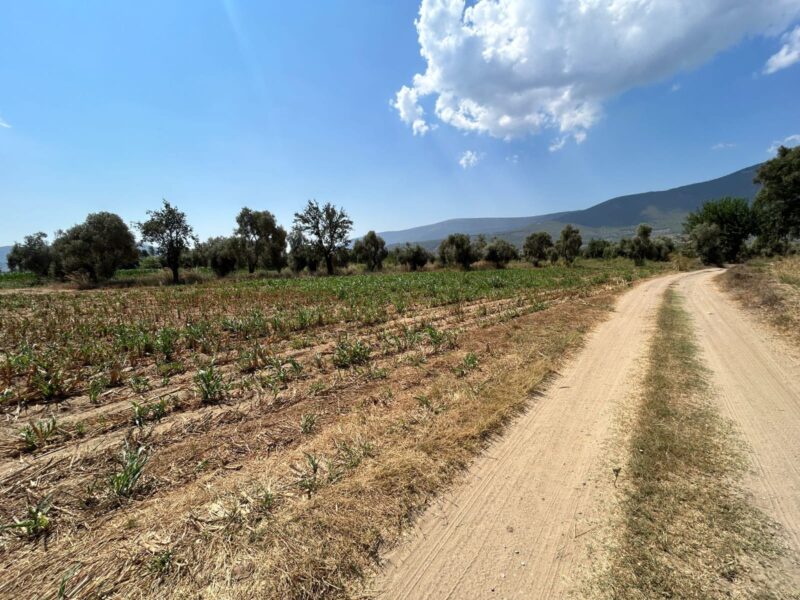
(96, 387)
(49, 382)
(124, 481)
(166, 342)
(210, 386)
(308, 423)
(308, 478)
(139, 384)
(36, 521)
(469, 363)
(37, 433)
(146, 412)
(161, 563)
(348, 353)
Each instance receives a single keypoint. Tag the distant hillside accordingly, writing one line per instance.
(614, 218)
(4, 250)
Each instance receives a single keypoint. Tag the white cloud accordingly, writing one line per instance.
(675, 87)
(513, 159)
(558, 144)
(510, 68)
(4, 124)
(470, 159)
(561, 141)
(788, 55)
(410, 111)
(723, 146)
(789, 142)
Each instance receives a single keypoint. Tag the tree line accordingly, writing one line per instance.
(103, 243)
(319, 238)
(723, 230)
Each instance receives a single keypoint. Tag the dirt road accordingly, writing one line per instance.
(756, 379)
(522, 523)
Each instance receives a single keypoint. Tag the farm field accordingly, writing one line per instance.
(260, 438)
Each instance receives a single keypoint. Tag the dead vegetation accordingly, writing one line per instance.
(687, 527)
(228, 463)
(771, 289)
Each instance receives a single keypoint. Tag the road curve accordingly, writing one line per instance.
(520, 524)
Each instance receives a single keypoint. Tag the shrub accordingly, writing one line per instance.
(34, 255)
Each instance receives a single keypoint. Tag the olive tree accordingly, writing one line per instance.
(596, 248)
(97, 247)
(171, 233)
(33, 254)
(263, 241)
(414, 257)
(569, 244)
(371, 250)
(536, 247)
(457, 249)
(642, 245)
(223, 254)
(499, 252)
(301, 253)
(328, 229)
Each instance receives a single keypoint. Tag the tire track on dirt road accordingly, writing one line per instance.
(520, 524)
(756, 380)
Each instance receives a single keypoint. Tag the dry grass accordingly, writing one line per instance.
(244, 498)
(688, 529)
(770, 288)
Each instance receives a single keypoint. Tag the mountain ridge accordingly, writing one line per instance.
(665, 210)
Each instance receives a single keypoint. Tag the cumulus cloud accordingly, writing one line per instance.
(789, 142)
(4, 124)
(407, 105)
(469, 159)
(723, 146)
(509, 68)
(788, 55)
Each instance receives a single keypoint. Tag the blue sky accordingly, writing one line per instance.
(215, 105)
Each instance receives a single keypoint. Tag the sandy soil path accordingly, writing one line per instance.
(519, 526)
(756, 379)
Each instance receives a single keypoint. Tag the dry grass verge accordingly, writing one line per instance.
(688, 529)
(770, 288)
